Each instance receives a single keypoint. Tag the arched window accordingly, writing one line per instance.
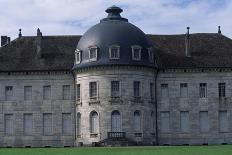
(116, 124)
(78, 124)
(137, 121)
(94, 122)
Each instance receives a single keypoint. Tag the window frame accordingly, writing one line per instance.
(96, 53)
(96, 96)
(110, 52)
(45, 97)
(222, 90)
(201, 87)
(44, 125)
(78, 99)
(133, 52)
(7, 96)
(119, 89)
(25, 93)
(183, 86)
(94, 129)
(139, 89)
(164, 86)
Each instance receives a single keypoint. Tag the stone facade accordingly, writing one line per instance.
(37, 107)
(126, 104)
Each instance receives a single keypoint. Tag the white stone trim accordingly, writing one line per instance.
(96, 50)
(77, 57)
(118, 50)
(133, 47)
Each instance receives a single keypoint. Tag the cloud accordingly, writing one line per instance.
(64, 17)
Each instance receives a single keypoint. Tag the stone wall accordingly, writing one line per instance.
(37, 106)
(194, 104)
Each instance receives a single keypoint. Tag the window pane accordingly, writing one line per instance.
(66, 92)
(222, 89)
(9, 124)
(137, 121)
(78, 124)
(27, 92)
(115, 92)
(183, 90)
(93, 53)
(28, 124)
(78, 92)
(94, 122)
(47, 124)
(204, 121)
(136, 52)
(114, 52)
(116, 122)
(164, 90)
(66, 124)
(47, 92)
(136, 88)
(184, 121)
(9, 93)
(203, 90)
(93, 89)
(165, 121)
(223, 121)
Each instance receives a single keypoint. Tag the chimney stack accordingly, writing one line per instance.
(187, 43)
(20, 33)
(219, 30)
(5, 40)
(39, 43)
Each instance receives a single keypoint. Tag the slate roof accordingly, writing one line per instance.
(207, 50)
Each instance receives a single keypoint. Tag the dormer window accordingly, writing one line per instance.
(77, 56)
(136, 52)
(93, 53)
(151, 55)
(114, 52)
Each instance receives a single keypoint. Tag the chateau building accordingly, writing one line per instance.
(115, 85)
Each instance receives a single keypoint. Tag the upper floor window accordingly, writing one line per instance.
(93, 53)
(27, 92)
(47, 92)
(114, 52)
(78, 92)
(78, 56)
(115, 89)
(203, 90)
(93, 90)
(136, 52)
(222, 89)
(164, 90)
(8, 93)
(66, 92)
(151, 55)
(184, 90)
(136, 89)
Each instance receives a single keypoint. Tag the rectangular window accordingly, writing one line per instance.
(223, 121)
(152, 91)
(9, 124)
(222, 89)
(66, 124)
(115, 88)
(184, 121)
(78, 86)
(203, 90)
(136, 89)
(164, 90)
(47, 124)
(93, 53)
(46, 92)
(78, 56)
(93, 89)
(114, 52)
(28, 124)
(165, 121)
(204, 121)
(183, 90)
(27, 92)
(8, 93)
(66, 92)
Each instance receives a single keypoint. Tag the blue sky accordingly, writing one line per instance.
(72, 17)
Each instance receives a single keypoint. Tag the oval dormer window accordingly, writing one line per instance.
(136, 52)
(93, 53)
(114, 52)
(77, 56)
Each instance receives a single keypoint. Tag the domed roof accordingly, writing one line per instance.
(113, 31)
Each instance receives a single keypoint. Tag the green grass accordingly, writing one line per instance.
(159, 150)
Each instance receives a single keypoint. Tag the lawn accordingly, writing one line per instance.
(159, 150)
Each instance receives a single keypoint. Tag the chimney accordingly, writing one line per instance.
(20, 33)
(38, 43)
(187, 43)
(219, 30)
(3, 40)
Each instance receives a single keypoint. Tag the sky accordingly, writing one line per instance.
(74, 17)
